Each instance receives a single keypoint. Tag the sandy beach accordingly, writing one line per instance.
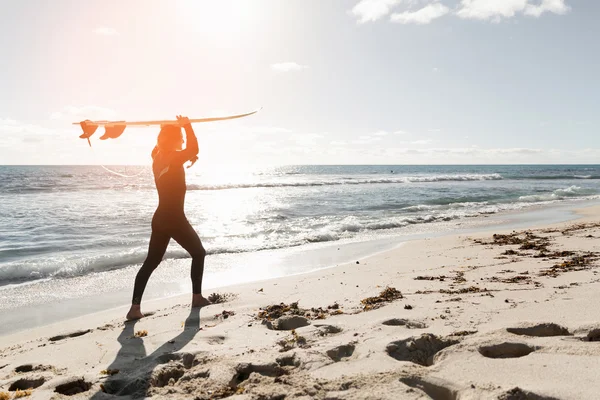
(492, 315)
(380, 200)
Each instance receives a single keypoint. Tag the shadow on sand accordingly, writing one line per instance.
(136, 369)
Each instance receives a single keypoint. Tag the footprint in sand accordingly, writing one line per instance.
(167, 374)
(244, 370)
(419, 350)
(507, 350)
(216, 339)
(288, 360)
(540, 330)
(341, 352)
(69, 335)
(73, 387)
(520, 394)
(441, 389)
(167, 357)
(406, 323)
(24, 368)
(26, 383)
(195, 375)
(31, 367)
(288, 323)
(593, 335)
(188, 360)
(433, 387)
(324, 330)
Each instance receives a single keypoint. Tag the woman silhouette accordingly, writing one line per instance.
(169, 220)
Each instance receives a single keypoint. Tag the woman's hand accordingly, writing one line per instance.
(193, 161)
(183, 121)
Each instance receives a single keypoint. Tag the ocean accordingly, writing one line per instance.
(58, 222)
(64, 226)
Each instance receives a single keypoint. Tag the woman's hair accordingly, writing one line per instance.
(168, 135)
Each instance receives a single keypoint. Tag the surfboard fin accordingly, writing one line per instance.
(113, 131)
(88, 127)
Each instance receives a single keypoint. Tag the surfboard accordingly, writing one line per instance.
(164, 121)
(114, 129)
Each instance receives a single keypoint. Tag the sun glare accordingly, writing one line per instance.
(225, 18)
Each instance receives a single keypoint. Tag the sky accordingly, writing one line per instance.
(340, 81)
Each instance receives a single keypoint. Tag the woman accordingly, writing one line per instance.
(169, 220)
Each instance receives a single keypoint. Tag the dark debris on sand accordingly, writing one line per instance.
(217, 298)
(225, 314)
(554, 255)
(463, 333)
(459, 277)
(274, 311)
(387, 295)
(576, 263)
(292, 342)
(527, 240)
(471, 289)
(440, 278)
(521, 278)
(573, 228)
(520, 394)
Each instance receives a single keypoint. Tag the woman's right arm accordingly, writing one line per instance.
(191, 142)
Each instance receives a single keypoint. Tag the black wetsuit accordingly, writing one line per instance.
(169, 220)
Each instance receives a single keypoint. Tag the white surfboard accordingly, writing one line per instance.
(164, 121)
(114, 129)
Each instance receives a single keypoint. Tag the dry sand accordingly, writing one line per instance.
(478, 317)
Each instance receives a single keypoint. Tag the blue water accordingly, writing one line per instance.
(61, 222)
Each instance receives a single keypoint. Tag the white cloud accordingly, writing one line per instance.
(487, 9)
(400, 133)
(553, 6)
(421, 142)
(311, 135)
(366, 139)
(13, 132)
(7, 122)
(74, 114)
(498, 9)
(423, 16)
(288, 67)
(13, 127)
(485, 152)
(106, 31)
(435, 69)
(517, 150)
(381, 133)
(494, 10)
(372, 10)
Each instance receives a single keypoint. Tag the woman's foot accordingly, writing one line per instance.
(134, 313)
(199, 301)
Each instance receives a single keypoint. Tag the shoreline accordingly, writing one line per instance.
(286, 262)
